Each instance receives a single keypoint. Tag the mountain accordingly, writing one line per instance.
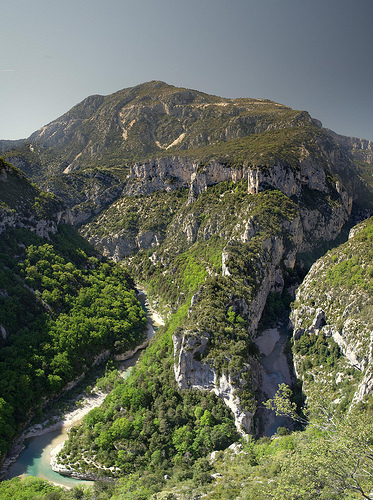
(153, 119)
(218, 207)
(85, 155)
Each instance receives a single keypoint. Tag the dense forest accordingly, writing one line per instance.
(297, 465)
(61, 306)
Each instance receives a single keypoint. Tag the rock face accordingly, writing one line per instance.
(360, 148)
(322, 222)
(86, 194)
(176, 172)
(190, 373)
(23, 205)
(274, 370)
(334, 302)
(119, 246)
(303, 230)
(286, 179)
(41, 227)
(315, 219)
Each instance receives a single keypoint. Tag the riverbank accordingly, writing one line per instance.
(62, 423)
(153, 315)
(83, 402)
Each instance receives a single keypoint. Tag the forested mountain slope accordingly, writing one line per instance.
(300, 465)
(59, 307)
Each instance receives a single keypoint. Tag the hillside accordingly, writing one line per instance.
(333, 322)
(293, 465)
(58, 309)
(23, 204)
(219, 237)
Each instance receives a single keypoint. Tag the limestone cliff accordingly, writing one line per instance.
(361, 148)
(85, 193)
(333, 305)
(315, 208)
(190, 373)
(25, 205)
(319, 218)
(275, 257)
(177, 172)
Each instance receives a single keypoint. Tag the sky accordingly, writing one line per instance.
(314, 55)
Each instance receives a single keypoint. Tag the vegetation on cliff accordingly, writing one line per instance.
(331, 460)
(182, 268)
(147, 424)
(22, 199)
(332, 319)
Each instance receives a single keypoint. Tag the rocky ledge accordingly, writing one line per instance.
(193, 374)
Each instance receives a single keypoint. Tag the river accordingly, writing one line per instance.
(35, 459)
(274, 371)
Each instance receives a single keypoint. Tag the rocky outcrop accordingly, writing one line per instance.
(119, 246)
(41, 227)
(176, 172)
(320, 220)
(225, 389)
(193, 374)
(321, 223)
(86, 193)
(188, 371)
(287, 179)
(23, 205)
(274, 370)
(360, 148)
(276, 255)
(334, 302)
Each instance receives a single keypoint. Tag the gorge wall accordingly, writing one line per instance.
(334, 303)
(307, 226)
(24, 205)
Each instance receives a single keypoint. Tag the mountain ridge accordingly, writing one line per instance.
(155, 121)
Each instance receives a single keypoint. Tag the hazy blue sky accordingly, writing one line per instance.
(307, 54)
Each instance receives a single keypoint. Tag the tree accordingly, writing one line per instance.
(335, 459)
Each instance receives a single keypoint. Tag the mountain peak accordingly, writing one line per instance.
(147, 120)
